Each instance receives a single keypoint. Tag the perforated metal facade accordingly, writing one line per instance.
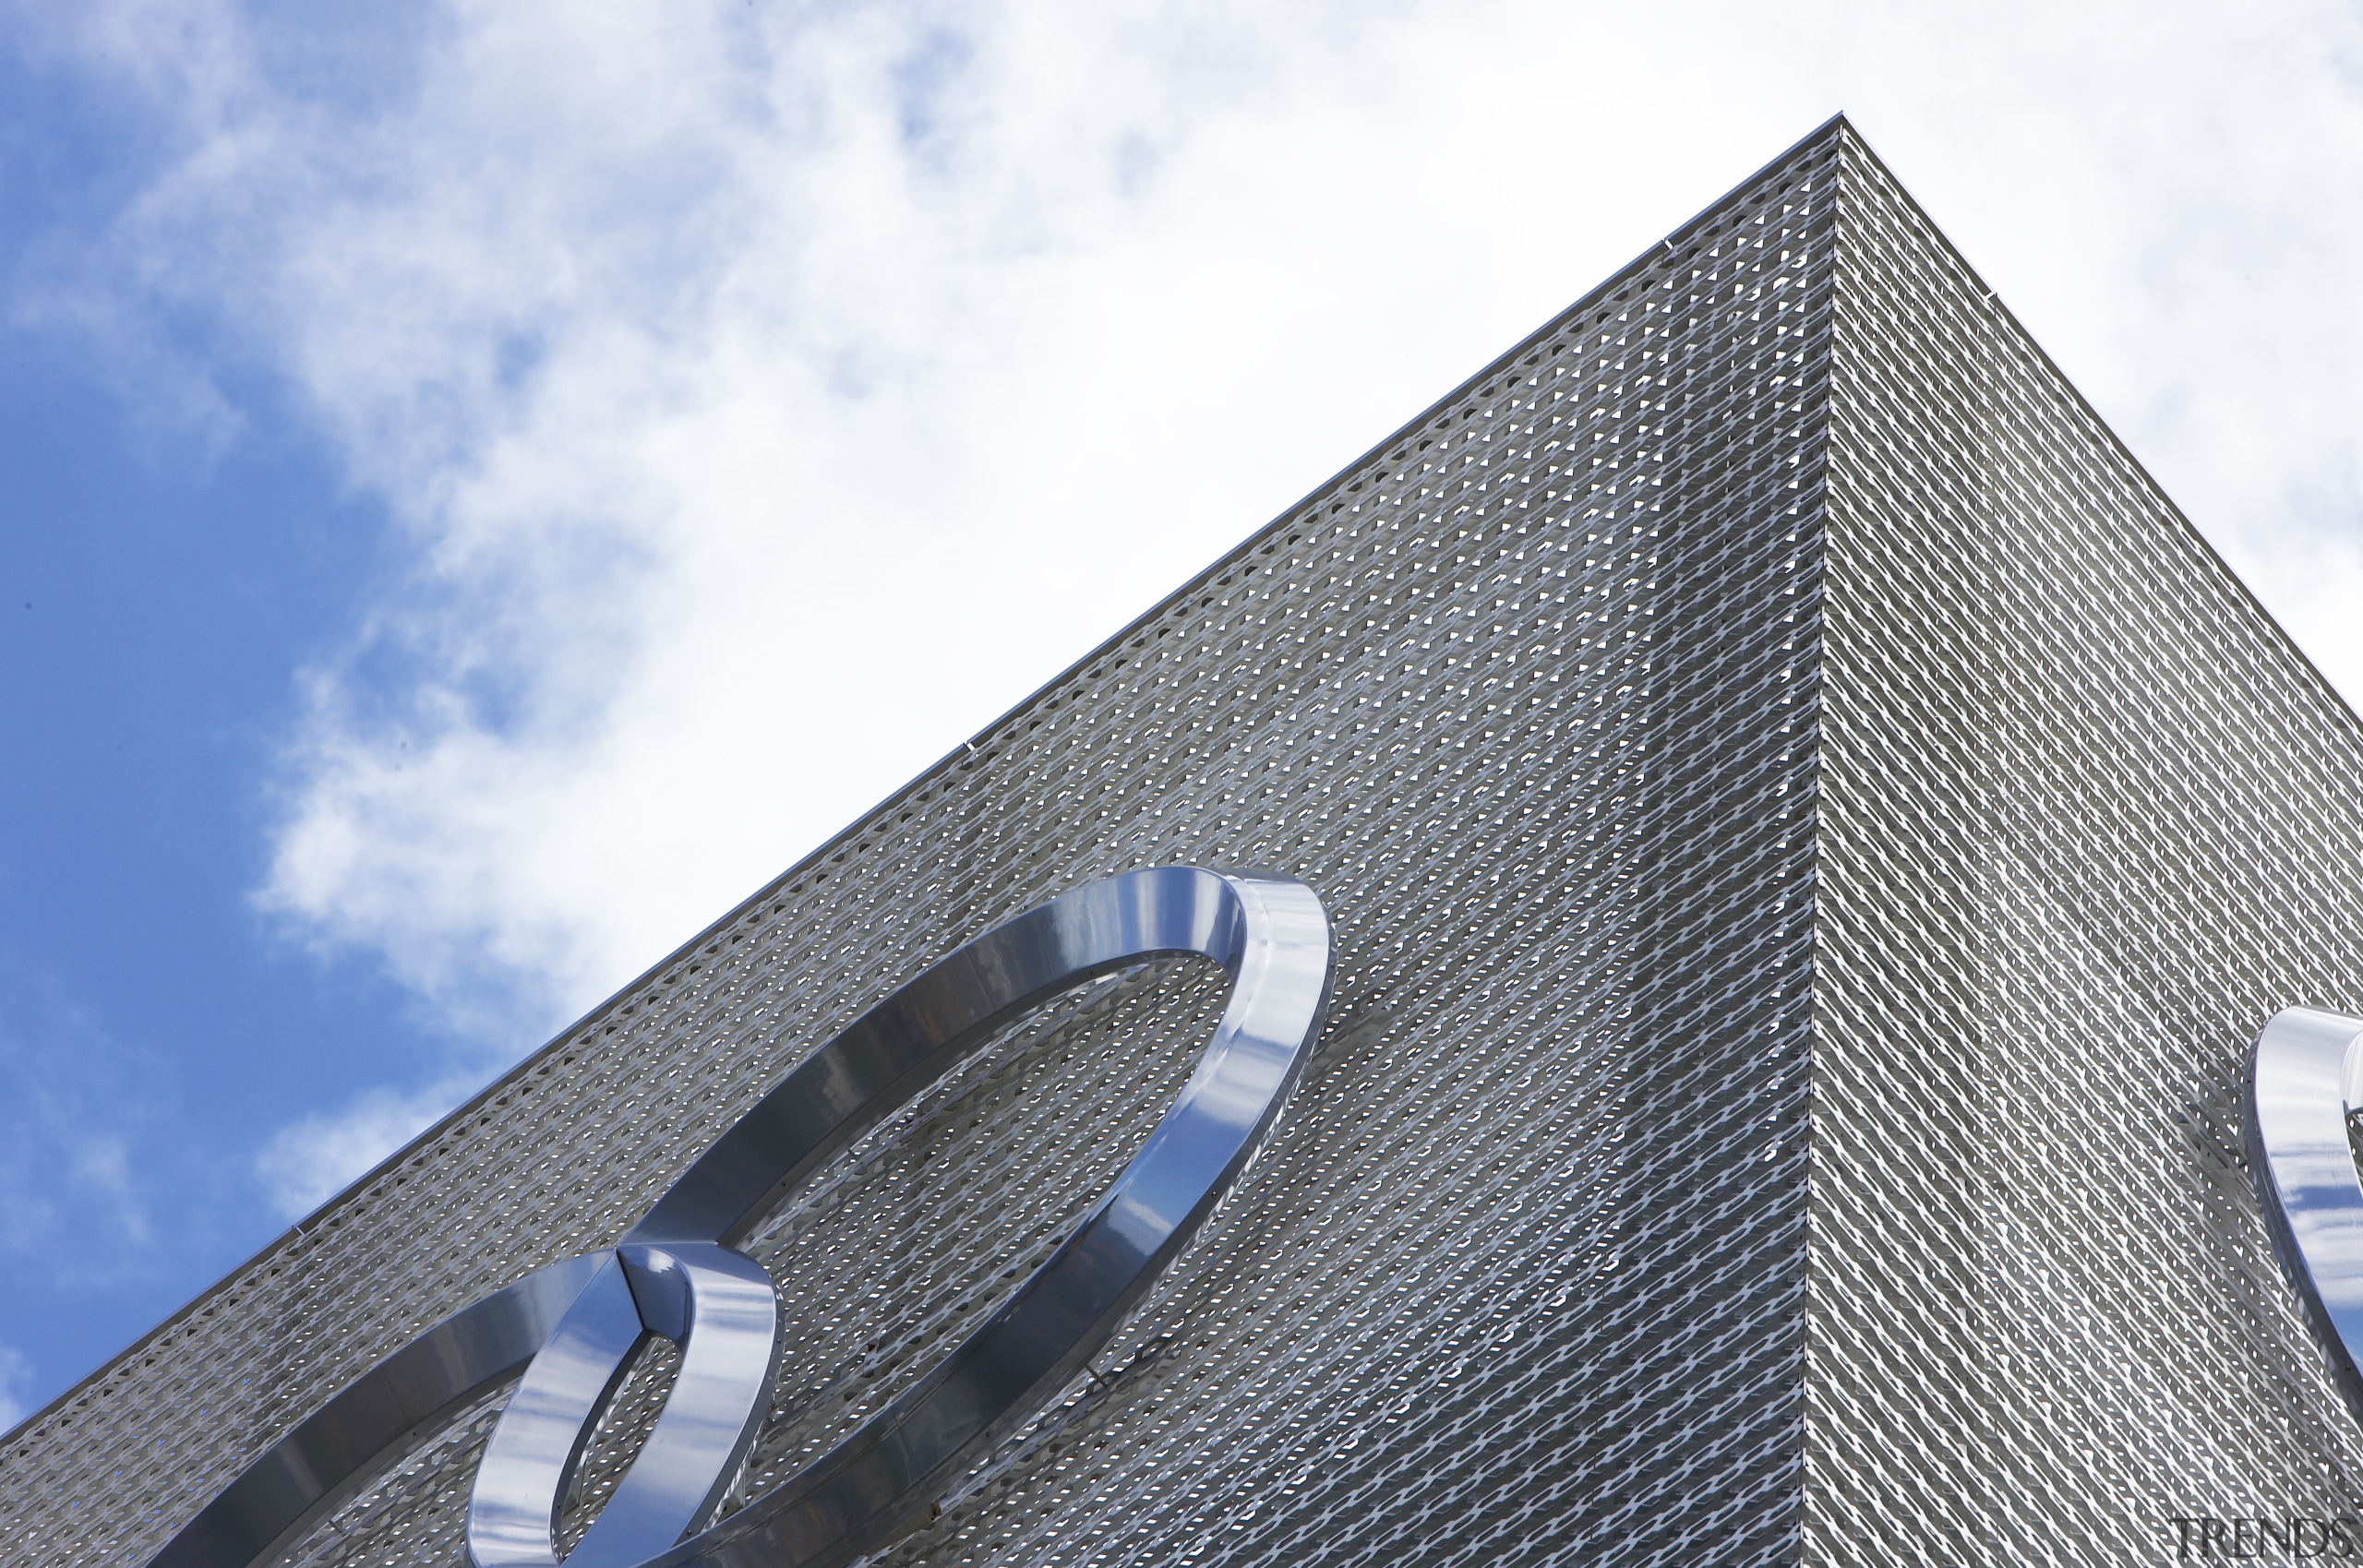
(1811, 833)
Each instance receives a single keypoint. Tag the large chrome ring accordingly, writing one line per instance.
(573, 1326)
(2305, 1080)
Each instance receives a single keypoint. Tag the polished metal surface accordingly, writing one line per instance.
(673, 1275)
(719, 1307)
(2306, 1082)
(1269, 932)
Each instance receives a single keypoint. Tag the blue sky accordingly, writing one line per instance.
(153, 1029)
(163, 582)
(487, 487)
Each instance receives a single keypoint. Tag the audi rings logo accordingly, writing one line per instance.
(2306, 1082)
(573, 1326)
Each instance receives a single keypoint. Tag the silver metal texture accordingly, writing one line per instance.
(719, 1307)
(2084, 819)
(314, 1467)
(1811, 833)
(2306, 1087)
(672, 1274)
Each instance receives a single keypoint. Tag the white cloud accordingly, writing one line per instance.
(74, 1104)
(310, 1161)
(772, 395)
(63, 1174)
(16, 1376)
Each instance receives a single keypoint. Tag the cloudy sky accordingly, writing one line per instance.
(488, 484)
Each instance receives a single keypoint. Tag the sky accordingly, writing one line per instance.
(484, 487)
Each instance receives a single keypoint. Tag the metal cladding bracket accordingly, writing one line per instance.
(574, 1326)
(2306, 1080)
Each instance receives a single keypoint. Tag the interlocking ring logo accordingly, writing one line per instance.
(2305, 1082)
(573, 1326)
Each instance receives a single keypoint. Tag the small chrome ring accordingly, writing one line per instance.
(720, 1308)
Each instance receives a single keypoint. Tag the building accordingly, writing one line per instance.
(1811, 833)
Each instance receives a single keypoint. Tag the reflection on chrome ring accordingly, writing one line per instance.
(2305, 1081)
(572, 1327)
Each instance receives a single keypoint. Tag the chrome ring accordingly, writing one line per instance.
(573, 1326)
(2305, 1079)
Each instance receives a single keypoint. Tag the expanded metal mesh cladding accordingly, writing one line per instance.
(1810, 832)
(2088, 820)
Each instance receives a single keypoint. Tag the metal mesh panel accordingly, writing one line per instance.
(1526, 695)
(2087, 820)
